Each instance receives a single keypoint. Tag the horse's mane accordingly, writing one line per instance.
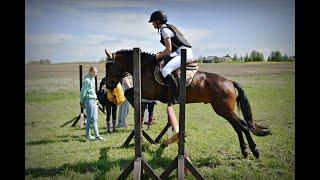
(128, 52)
(146, 57)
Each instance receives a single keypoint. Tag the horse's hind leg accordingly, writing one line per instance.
(237, 127)
(243, 127)
(234, 121)
(251, 143)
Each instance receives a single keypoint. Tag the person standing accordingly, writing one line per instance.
(126, 84)
(110, 106)
(88, 100)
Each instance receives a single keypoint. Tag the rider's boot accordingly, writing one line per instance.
(174, 87)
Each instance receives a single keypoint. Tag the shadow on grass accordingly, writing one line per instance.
(80, 138)
(69, 122)
(157, 161)
(100, 167)
(103, 165)
(60, 139)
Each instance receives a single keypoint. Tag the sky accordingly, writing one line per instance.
(80, 30)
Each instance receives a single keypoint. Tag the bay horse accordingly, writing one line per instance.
(223, 94)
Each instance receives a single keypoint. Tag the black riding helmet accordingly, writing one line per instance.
(158, 15)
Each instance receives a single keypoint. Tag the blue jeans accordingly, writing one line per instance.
(92, 116)
(123, 112)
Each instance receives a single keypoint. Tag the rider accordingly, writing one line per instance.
(174, 41)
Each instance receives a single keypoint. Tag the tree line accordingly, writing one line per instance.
(275, 56)
(41, 61)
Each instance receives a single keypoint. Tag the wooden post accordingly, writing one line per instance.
(182, 112)
(138, 164)
(181, 162)
(96, 83)
(81, 116)
(137, 111)
(137, 101)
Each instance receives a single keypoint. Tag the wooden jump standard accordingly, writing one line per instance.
(180, 162)
(81, 109)
(139, 163)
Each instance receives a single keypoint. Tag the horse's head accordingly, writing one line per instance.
(121, 63)
(114, 74)
(124, 59)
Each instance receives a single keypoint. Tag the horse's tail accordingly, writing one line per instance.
(243, 103)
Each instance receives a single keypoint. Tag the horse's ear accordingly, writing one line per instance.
(109, 55)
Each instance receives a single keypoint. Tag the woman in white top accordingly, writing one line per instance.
(174, 41)
(126, 84)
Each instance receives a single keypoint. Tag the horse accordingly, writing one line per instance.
(223, 94)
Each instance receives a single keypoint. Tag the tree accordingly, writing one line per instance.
(41, 61)
(246, 58)
(278, 56)
(260, 56)
(285, 58)
(253, 55)
(33, 62)
(201, 58)
(235, 57)
(44, 61)
(275, 56)
(256, 56)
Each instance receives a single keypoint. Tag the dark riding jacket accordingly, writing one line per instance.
(177, 40)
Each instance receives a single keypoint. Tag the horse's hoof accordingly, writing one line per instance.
(245, 154)
(256, 153)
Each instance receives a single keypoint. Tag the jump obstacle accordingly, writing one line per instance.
(180, 162)
(139, 164)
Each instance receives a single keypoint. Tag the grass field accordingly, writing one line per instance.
(54, 152)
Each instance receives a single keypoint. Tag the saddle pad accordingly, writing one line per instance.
(191, 69)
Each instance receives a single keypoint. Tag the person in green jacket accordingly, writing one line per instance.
(88, 101)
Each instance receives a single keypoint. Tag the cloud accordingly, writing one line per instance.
(197, 35)
(107, 4)
(67, 47)
(90, 26)
(45, 39)
(92, 4)
(116, 4)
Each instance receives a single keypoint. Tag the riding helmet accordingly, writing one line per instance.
(158, 15)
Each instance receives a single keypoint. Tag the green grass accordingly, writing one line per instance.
(55, 152)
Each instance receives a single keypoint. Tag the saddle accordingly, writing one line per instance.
(191, 69)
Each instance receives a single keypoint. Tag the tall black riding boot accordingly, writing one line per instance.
(174, 87)
(114, 125)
